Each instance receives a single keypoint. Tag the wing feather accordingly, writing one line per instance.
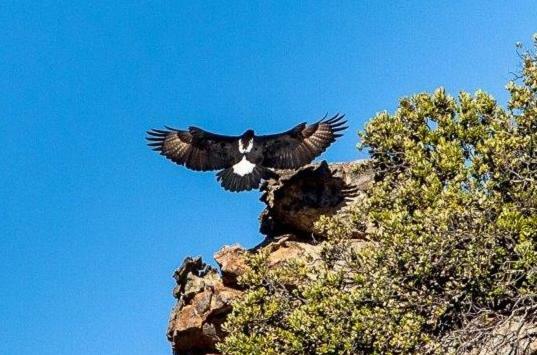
(301, 144)
(195, 148)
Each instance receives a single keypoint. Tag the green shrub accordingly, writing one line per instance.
(451, 226)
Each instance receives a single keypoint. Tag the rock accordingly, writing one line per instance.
(294, 201)
(231, 260)
(286, 249)
(192, 277)
(297, 199)
(195, 324)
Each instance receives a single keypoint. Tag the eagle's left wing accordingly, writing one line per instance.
(195, 148)
(301, 144)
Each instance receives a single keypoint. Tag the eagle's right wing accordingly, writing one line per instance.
(196, 149)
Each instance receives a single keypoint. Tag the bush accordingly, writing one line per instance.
(451, 226)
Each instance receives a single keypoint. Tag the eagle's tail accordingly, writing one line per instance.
(231, 181)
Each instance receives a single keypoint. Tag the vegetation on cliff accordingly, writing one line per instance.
(450, 226)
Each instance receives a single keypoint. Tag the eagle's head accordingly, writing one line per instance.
(249, 134)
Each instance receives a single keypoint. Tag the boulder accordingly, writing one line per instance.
(203, 302)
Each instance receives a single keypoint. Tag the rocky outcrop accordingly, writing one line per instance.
(294, 201)
(202, 304)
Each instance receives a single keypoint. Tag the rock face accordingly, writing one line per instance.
(202, 304)
(294, 201)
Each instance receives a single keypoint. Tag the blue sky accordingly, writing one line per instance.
(92, 223)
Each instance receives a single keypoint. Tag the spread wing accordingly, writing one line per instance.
(195, 148)
(301, 144)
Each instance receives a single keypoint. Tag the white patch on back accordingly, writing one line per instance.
(244, 167)
(248, 148)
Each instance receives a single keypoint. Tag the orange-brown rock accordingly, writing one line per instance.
(232, 262)
(294, 201)
(195, 324)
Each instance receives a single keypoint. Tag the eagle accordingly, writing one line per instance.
(243, 161)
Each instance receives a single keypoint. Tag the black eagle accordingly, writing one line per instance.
(244, 160)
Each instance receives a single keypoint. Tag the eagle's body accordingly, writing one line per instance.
(245, 160)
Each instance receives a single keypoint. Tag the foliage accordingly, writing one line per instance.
(451, 226)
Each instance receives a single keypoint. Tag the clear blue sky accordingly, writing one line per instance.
(92, 223)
